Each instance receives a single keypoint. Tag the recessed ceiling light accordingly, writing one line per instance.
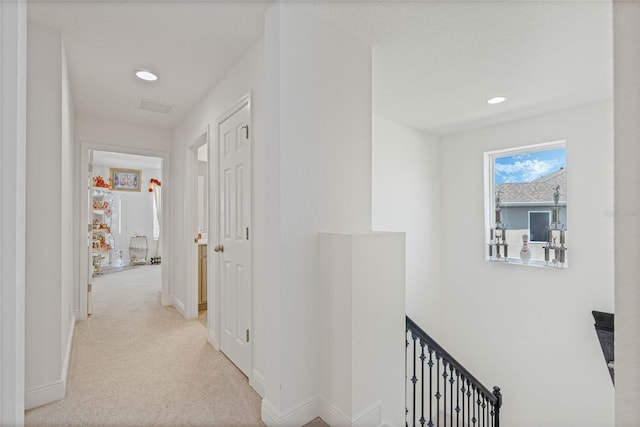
(496, 100)
(146, 75)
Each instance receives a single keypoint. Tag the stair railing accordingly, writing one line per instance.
(440, 392)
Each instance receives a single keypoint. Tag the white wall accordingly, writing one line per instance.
(311, 106)
(119, 134)
(325, 167)
(406, 197)
(325, 125)
(627, 211)
(49, 235)
(530, 330)
(362, 295)
(13, 76)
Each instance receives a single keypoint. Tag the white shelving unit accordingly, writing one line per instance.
(102, 241)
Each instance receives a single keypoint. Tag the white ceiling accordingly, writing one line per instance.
(434, 62)
(190, 45)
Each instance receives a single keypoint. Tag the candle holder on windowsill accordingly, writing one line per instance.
(555, 249)
(498, 246)
(556, 232)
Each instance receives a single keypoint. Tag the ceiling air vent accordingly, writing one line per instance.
(156, 106)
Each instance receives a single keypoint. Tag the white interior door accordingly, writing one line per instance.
(234, 249)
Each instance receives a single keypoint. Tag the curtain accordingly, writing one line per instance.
(157, 201)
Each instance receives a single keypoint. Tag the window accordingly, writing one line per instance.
(526, 198)
(538, 223)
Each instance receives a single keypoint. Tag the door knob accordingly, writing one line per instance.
(218, 248)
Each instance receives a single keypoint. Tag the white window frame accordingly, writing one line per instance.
(489, 191)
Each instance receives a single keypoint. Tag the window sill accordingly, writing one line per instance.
(535, 264)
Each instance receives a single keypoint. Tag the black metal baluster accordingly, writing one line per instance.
(406, 376)
(464, 395)
(444, 401)
(475, 404)
(468, 402)
(422, 358)
(458, 398)
(451, 381)
(438, 395)
(492, 413)
(430, 386)
(484, 411)
(414, 379)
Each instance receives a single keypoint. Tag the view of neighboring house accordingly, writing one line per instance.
(526, 209)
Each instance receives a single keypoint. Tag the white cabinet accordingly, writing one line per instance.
(102, 241)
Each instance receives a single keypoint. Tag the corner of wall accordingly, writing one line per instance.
(258, 382)
(55, 390)
(298, 416)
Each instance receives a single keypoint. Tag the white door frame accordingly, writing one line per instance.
(213, 289)
(80, 286)
(191, 199)
(13, 126)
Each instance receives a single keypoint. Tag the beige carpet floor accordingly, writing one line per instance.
(137, 363)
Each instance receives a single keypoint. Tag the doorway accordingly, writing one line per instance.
(199, 182)
(123, 202)
(233, 226)
(125, 215)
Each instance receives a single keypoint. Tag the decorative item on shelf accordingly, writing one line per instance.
(99, 181)
(525, 252)
(97, 261)
(153, 181)
(98, 205)
(138, 248)
(556, 231)
(100, 242)
(498, 236)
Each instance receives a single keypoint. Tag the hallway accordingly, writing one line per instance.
(135, 362)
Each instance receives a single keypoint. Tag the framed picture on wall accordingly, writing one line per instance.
(125, 179)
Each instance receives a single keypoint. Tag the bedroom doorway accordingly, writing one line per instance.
(122, 207)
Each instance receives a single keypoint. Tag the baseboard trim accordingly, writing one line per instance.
(371, 416)
(56, 390)
(41, 395)
(269, 414)
(211, 339)
(320, 407)
(67, 355)
(258, 383)
(166, 299)
(299, 416)
(332, 415)
(179, 305)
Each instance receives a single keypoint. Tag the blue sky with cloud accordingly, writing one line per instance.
(529, 166)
